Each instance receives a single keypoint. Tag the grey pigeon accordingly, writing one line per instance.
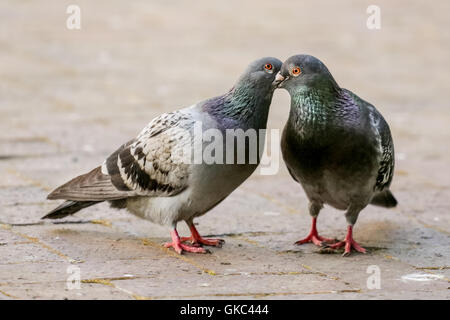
(149, 176)
(336, 145)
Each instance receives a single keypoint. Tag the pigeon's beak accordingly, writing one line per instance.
(279, 79)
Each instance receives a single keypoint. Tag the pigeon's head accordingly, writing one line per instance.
(260, 74)
(302, 71)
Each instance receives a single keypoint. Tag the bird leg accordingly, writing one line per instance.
(197, 240)
(348, 243)
(314, 236)
(180, 247)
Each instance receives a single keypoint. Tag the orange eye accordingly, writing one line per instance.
(296, 71)
(268, 66)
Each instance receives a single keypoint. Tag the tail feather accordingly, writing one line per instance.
(92, 186)
(67, 208)
(384, 199)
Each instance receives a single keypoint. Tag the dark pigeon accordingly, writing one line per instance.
(336, 145)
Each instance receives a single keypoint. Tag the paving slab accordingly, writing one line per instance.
(68, 98)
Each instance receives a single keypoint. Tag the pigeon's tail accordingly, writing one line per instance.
(384, 199)
(67, 208)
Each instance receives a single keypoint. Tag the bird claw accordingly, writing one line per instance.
(348, 244)
(189, 239)
(180, 247)
(197, 242)
(316, 239)
(213, 242)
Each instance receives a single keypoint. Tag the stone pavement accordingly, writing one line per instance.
(68, 98)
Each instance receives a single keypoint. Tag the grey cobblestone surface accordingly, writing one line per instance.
(69, 98)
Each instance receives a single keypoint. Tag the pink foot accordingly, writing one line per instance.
(180, 247)
(314, 236)
(348, 243)
(206, 242)
(197, 240)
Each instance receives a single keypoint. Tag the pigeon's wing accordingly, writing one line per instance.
(92, 186)
(387, 159)
(153, 164)
(383, 138)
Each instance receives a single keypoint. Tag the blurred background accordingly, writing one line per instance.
(68, 98)
(84, 92)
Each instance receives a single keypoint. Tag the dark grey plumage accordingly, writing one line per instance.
(338, 146)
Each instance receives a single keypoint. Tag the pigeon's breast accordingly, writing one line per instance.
(331, 168)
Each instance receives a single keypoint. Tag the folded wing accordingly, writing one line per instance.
(153, 164)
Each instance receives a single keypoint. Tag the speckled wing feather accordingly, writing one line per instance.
(387, 160)
(153, 164)
(384, 141)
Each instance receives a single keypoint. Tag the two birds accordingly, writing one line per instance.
(336, 145)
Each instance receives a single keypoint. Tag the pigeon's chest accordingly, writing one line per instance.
(338, 151)
(305, 156)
